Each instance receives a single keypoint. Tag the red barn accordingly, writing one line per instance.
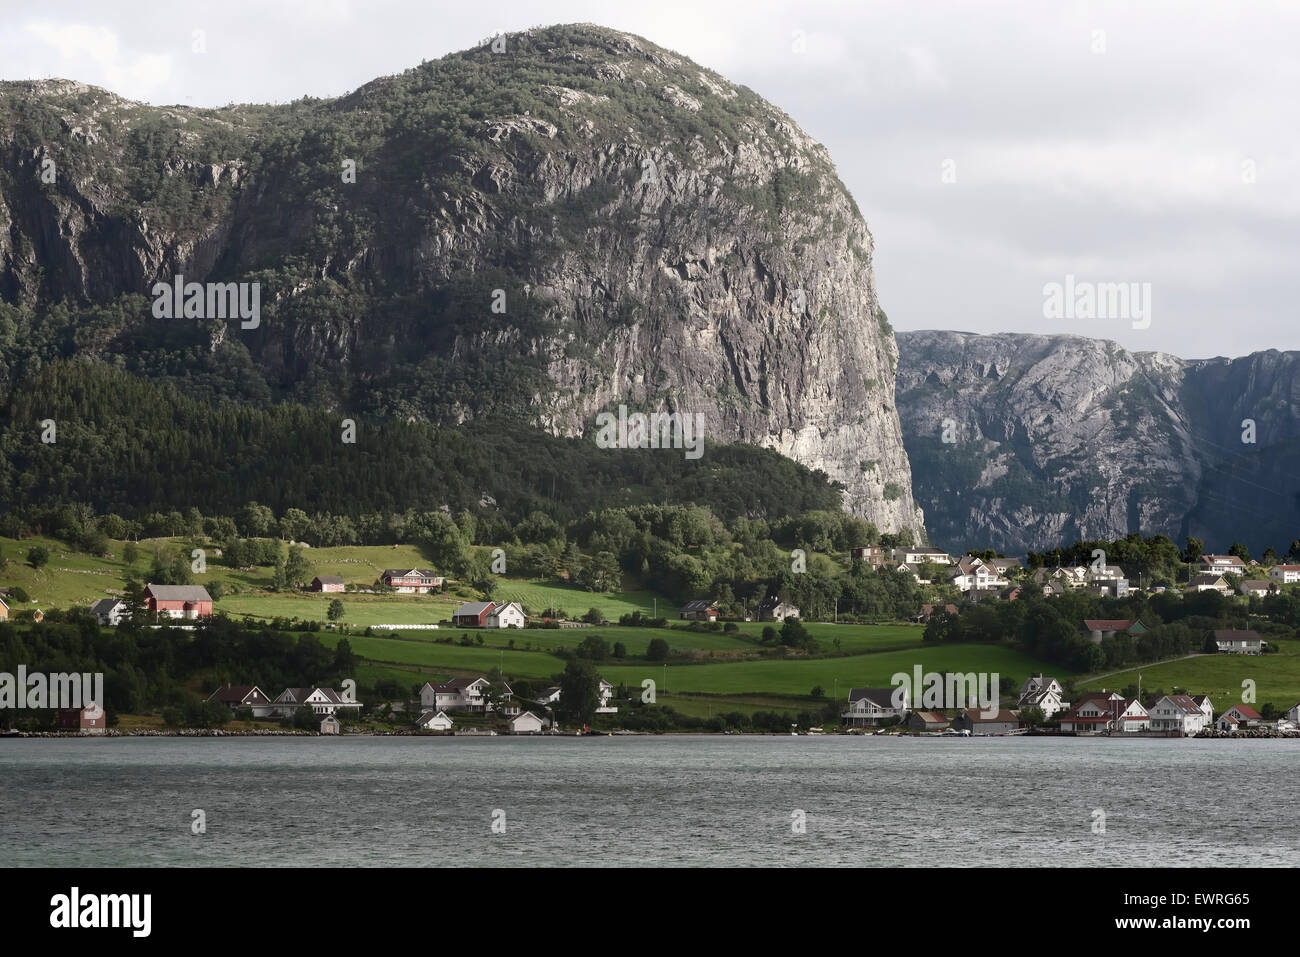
(179, 601)
(473, 614)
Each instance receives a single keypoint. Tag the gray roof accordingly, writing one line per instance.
(330, 579)
(179, 592)
(884, 697)
(473, 608)
(105, 605)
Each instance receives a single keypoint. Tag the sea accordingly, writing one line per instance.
(656, 800)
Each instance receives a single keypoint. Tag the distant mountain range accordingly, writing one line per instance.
(1053, 438)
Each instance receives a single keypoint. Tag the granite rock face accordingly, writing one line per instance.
(1054, 438)
(577, 220)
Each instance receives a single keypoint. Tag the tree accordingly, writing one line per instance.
(1240, 550)
(657, 650)
(297, 570)
(593, 648)
(620, 650)
(37, 556)
(130, 553)
(335, 611)
(1195, 549)
(579, 692)
(594, 616)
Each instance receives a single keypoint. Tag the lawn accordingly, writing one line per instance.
(358, 609)
(538, 596)
(1276, 677)
(834, 675)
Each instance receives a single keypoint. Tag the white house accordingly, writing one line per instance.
(1220, 565)
(1240, 716)
(1237, 641)
(321, 701)
(110, 611)
(1256, 587)
(1042, 693)
(509, 615)
(1098, 711)
(1210, 582)
(526, 723)
(1179, 713)
(973, 573)
(1285, 574)
(433, 721)
(873, 706)
(1294, 715)
(774, 609)
(464, 694)
(552, 695)
(920, 555)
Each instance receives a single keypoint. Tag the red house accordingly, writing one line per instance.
(473, 614)
(90, 719)
(179, 601)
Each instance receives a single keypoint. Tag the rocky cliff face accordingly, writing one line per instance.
(1053, 438)
(571, 221)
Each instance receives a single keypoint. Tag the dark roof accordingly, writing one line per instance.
(474, 608)
(976, 716)
(400, 572)
(700, 605)
(1236, 634)
(237, 694)
(104, 605)
(179, 592)
(884, 697)
(329, 579)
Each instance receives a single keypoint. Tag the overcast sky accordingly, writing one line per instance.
(994, 148)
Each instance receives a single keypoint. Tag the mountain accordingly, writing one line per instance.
(543, 228)
(1054, 438)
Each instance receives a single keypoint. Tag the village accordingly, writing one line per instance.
(483, 704)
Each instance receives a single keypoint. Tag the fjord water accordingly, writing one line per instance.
(659, 801)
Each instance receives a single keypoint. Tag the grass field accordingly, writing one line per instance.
(1276, 677)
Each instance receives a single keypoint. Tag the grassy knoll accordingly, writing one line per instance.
(1276, 677)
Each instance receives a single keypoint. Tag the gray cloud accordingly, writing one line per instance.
(1122, 165)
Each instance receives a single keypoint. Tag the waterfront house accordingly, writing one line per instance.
(179, 601)
(526, 723)
(327, 583)
(605, 690)
(321, 701)
(330, 724)
(472, 614)
(973, 720)
(1285, 574)
(1042, 693)
(465, 694)
(91, 719)
(418, 581)
(1094, 712)
(874, 706)
(926, 721)
(244, 696)
(509, 615)
(1242, 715)
(110, 611)
(1178, 713)
(434, 721)
(1235, 641)
(701, 610)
